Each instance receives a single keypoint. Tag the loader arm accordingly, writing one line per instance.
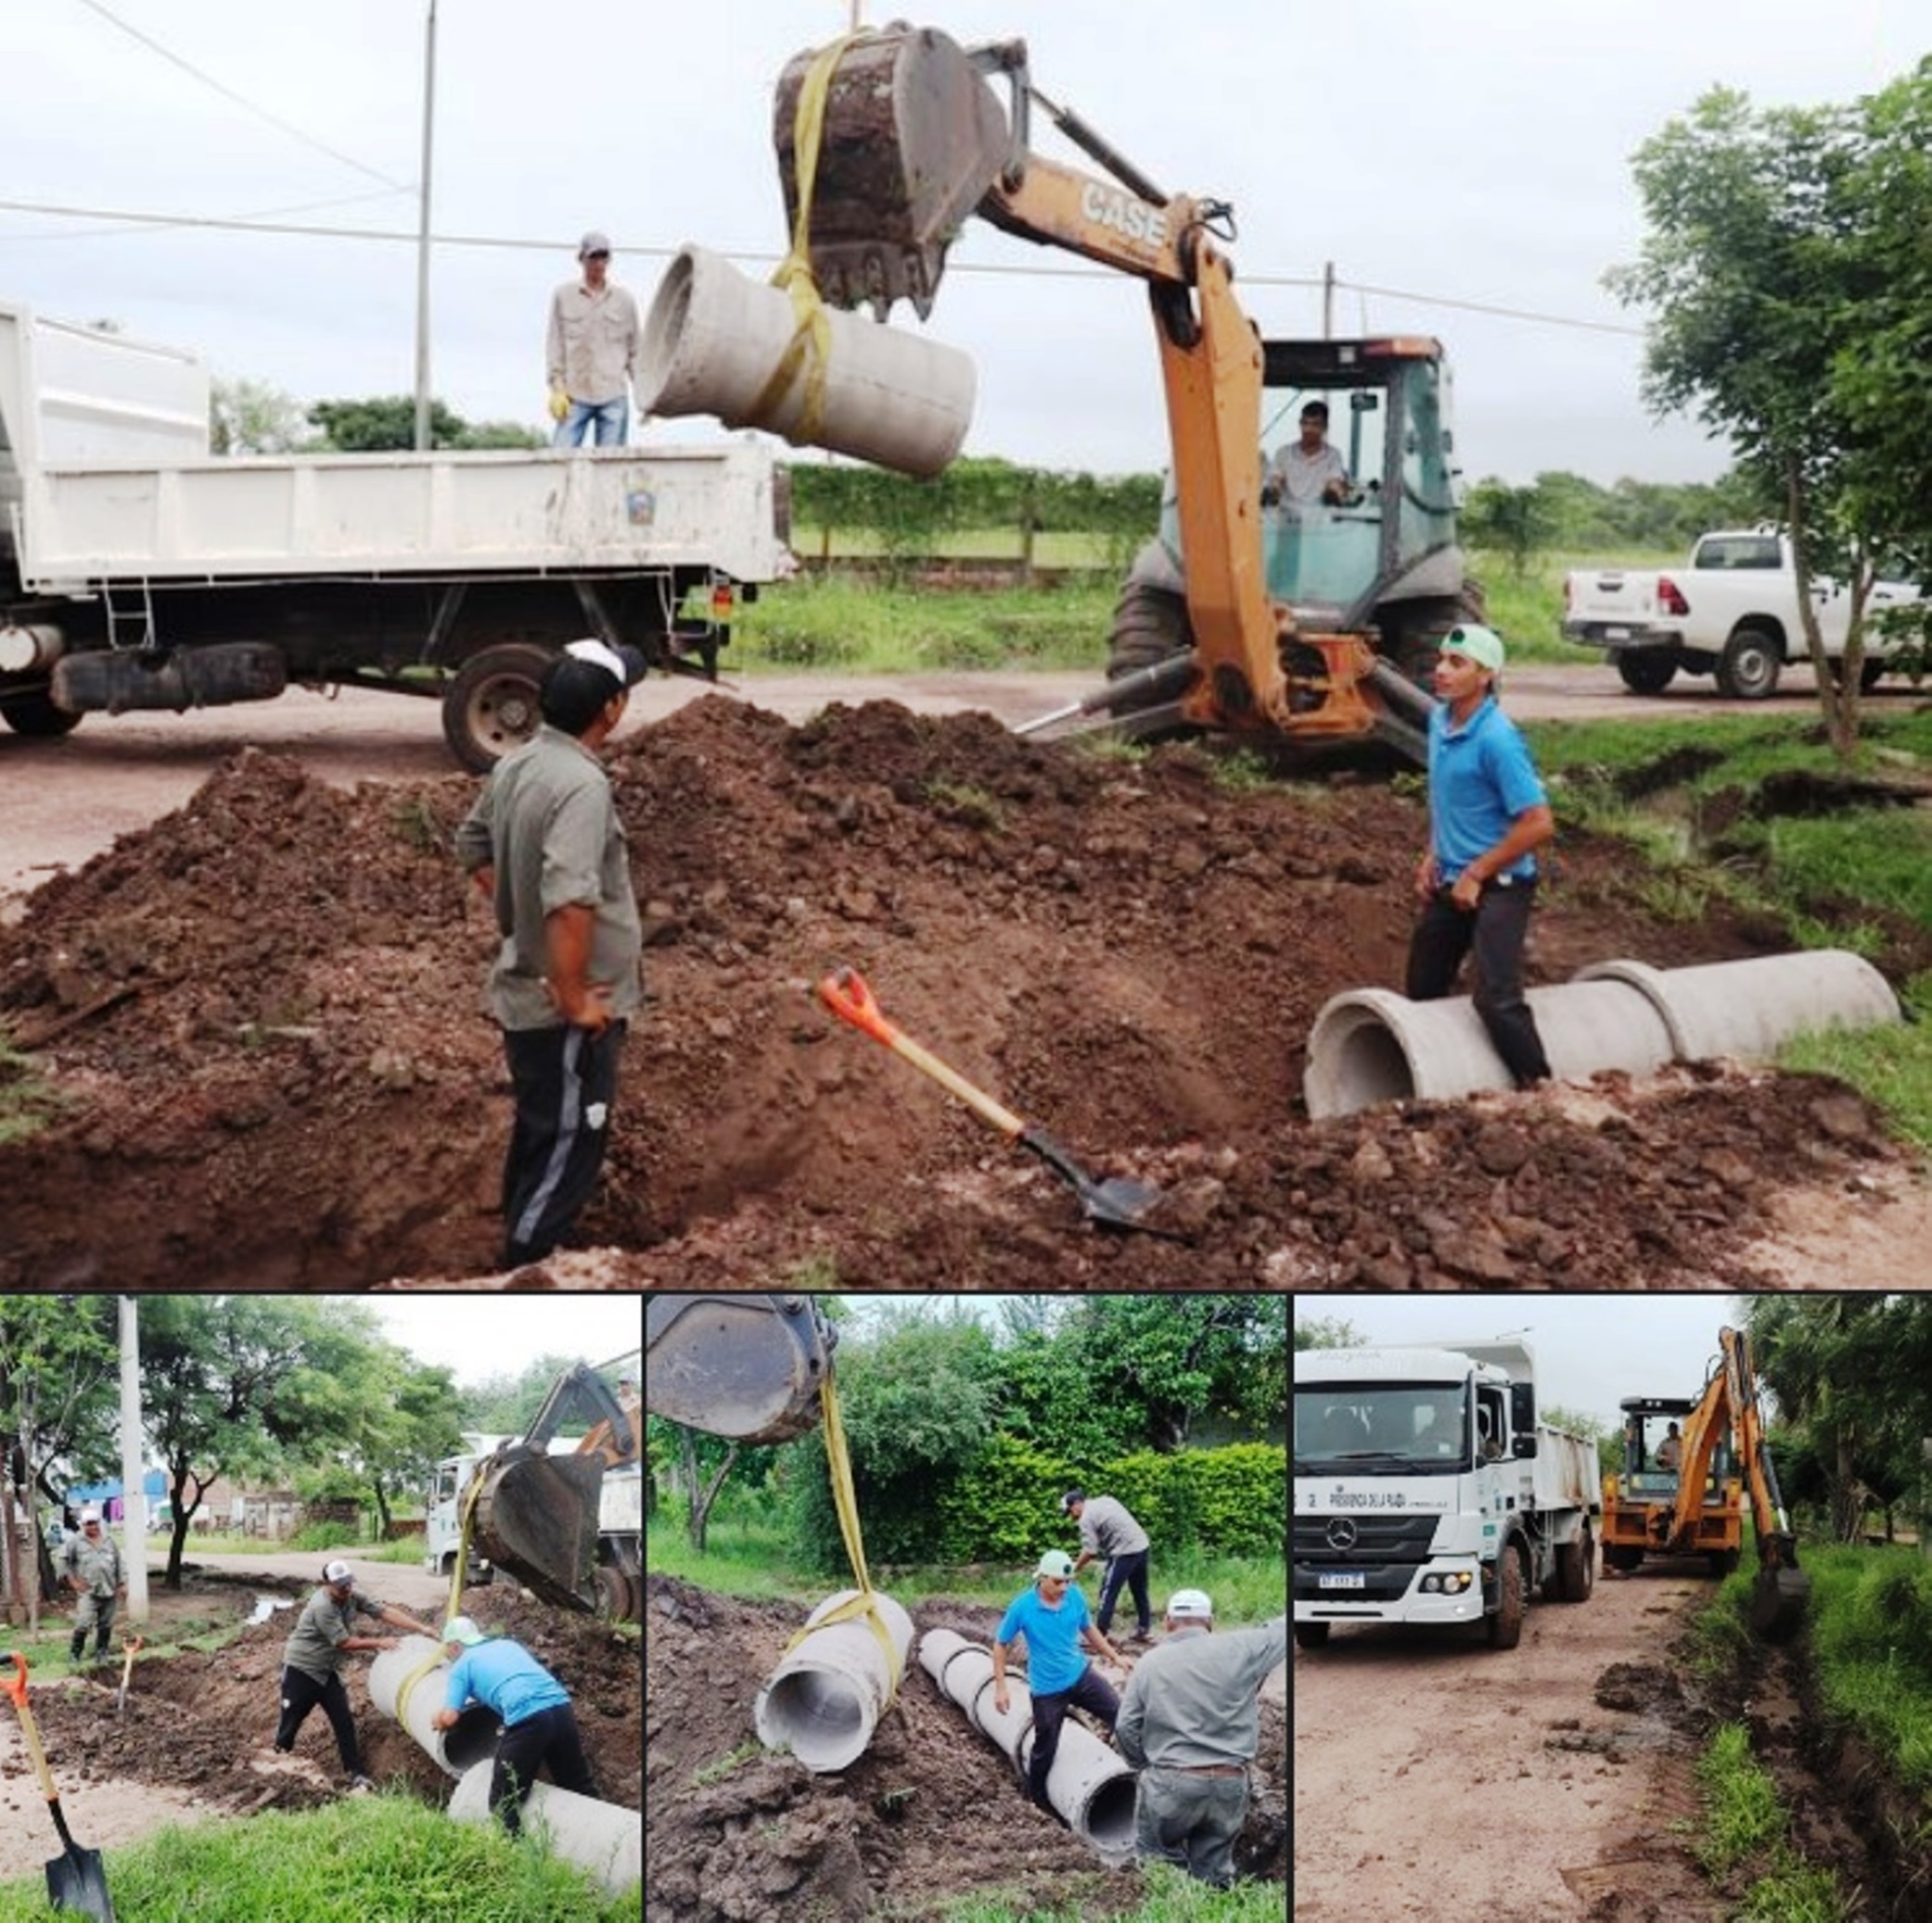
(1675, 1525)
(914, 138)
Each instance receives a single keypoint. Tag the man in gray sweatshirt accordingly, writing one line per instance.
(1189, 1723)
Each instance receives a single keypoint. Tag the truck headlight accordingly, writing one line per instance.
(1448, 1585)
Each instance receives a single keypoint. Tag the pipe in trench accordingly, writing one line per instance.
(407, 1687)
(824, 1699)
(1089, 1786)
(604, 1838)
(1370, 1045)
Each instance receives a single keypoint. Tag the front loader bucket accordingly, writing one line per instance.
(536, 1520)
(1779, 1599)
(910, 138)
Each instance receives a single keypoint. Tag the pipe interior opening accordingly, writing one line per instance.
(1111, 1816)
(664, 326)
(1371, 1067)
(473, 1741)
(819, 1716)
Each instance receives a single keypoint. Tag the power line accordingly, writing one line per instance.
(978, 269)
(248, 105)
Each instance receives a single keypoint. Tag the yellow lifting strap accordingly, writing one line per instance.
(845, 1499)
(407, 1688)
(812, 334)
(459, 1569)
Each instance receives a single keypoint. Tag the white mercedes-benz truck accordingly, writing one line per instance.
(1426, 1491)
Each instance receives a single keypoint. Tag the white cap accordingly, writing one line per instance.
(339, 1572)
(1187, 1603)
(90, 1513)
(460, 1628)
(625, 663)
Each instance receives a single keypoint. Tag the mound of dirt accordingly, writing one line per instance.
(203, 1723)
(263, 1017)
(931, 1812)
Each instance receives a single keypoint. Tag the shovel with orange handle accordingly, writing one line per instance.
(77, 1881)
(1118, 1202)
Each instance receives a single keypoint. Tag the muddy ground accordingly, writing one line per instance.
(262, 1019)
(198, 1726)
(931, 1812)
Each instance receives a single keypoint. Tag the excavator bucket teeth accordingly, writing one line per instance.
(911, 137)
(536, 1520)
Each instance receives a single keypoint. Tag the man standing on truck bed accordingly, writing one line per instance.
(591, 352)
(545, 846)
(1476, 881)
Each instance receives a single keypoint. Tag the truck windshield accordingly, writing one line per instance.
(1382, 1428)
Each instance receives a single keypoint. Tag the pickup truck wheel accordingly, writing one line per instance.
(1311, 1636)
(1747, 669)
(1648, 671)
(491, 707)
(1505, 1627)
(36, 714)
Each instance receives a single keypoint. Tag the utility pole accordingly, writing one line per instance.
(422, 239)
(134, 1496)
(1327, 300)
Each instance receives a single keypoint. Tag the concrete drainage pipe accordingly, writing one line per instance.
(1090, 1786)
(824, 1699)
(1371, 1045)
(406, 1684)
(603, 1838)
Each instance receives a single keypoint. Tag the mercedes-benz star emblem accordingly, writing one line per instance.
(1341, 1534)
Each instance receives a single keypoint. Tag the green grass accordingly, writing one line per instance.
(314, 1538)
(746, 1556)
(382, 1859)
(27, 1102)
(1892, 1067)
(1871, 1619)
(1743, 1815)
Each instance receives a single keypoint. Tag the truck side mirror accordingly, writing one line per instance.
(1522, 1410)
(1522, 1445)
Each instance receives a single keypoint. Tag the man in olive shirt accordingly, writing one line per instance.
(545, 844)
(1190, 1721)
(91, 1563)
(312, 1663)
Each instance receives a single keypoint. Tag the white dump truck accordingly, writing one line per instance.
(138, 570)
(1426, 1491)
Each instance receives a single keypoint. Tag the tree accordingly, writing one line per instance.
(250, 417)
(1755, 270)
(383, 425)
(1508, 521)
(507, 1405)
(1325, 1332)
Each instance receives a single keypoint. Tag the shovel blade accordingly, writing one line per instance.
(1118, 1202)
(77, 1883)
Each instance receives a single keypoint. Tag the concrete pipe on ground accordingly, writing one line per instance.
(822, 1701)
(714, 342)
(1089, 1786)
(604, 1838)
(1371, 1045)
(408, 1687)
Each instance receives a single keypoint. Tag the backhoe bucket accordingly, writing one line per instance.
(911, 137)
(536, 1520)
(1779, 1599)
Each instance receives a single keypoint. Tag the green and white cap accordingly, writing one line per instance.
(1483, 645)
(1055, 1562)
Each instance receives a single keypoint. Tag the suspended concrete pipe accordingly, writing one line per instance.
(1371, 1045)
(716, 343)
(604, 1838)
(407, 1685)
(1089, 1786)
(822, 1701)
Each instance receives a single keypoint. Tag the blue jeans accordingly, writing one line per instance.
(612, 418)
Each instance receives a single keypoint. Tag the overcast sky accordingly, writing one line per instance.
(1474, 154)
(479, 1336)
(1591, 1350)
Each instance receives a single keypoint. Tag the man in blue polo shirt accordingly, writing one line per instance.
(1477, 882)
(539, 1726)
(1053, 1617)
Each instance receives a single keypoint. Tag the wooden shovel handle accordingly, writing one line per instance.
(15, 1687)
(845, 992)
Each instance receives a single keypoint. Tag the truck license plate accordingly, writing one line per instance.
(1341, 1579)
(1617, 633)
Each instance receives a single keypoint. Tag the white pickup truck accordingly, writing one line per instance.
(1731, 612)
(136, 571)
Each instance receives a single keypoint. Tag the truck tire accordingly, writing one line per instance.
(1505, 1627)
(1411, 644)
(1150, 624)
(1723, 1562)
(1311, 1636)
(1747, 669)
(37, 716)
(1576, 1568)
(490, 706)
(1623, 1558)
(1648, 671)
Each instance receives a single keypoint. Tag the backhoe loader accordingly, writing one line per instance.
(1299, 625)
(1693, 1505)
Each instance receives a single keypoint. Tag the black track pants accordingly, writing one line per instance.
(565, 1082)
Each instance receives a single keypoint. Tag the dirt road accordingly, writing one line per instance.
(67, 800)
(1434, 1776)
